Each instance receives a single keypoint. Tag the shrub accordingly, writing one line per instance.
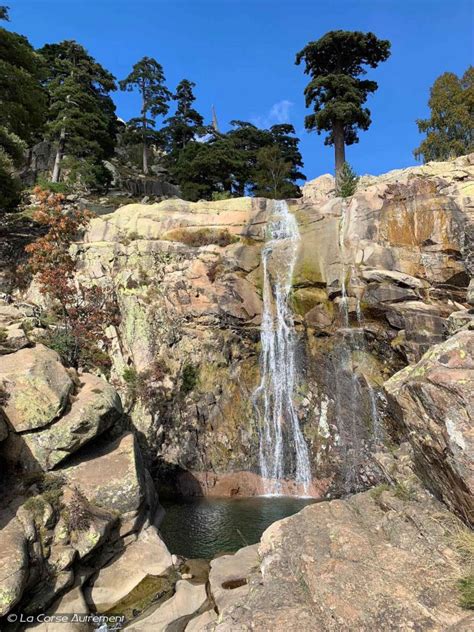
(220, 195)
(78, 515)
(79, 313)
(189, 378)
(53, 187)
(346, 182)
(3, 334)
(146, 386)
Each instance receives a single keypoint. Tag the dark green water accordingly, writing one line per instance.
(204, 527)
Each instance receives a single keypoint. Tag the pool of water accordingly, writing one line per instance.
(205, 527)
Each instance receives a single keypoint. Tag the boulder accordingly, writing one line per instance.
(72, 603)
(145, 556)
(376, 561)
(321, 188)
(175, 612)
(200, 623)
(94, 409)
(13, 563)
(37, 386)
(433, 405)
(229, 574)
(112, 477)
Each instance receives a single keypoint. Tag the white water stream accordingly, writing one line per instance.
(283, 449)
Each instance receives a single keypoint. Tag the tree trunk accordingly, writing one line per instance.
(340, 150)
(59, 156)
(145, 158)
(144, 130)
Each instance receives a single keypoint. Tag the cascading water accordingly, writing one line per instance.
(283, 449)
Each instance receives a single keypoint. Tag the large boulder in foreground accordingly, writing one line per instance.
(433, 402)
(95, 407)
(380, 560)
(37, 387)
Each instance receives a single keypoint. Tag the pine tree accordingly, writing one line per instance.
(347, 182)
(4, 13)
(22, 108)
(22, 99)
(12, 150)
(450, 128)
(185, 124)
(148, 78)
(81, 113)
(336, 93)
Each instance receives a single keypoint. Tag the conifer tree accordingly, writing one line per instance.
(148, 78)
(22, 108)
(336, 93)
(186, 123)
(81, 113)
(346, 184)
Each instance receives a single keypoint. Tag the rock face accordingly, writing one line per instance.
(433, 401)
(372, 562)
(95, 407)
(392, 262)
(94, 512)
(37, 387)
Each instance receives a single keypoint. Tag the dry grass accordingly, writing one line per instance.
(201, 237)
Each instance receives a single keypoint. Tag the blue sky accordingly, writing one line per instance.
(241, 55)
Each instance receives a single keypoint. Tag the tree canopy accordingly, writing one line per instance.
(22, 108)
(450, 128)
(148, 78)
(232, 163)
(81, 116)
(336, 93)
(186, 123)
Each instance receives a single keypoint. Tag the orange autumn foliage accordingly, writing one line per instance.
(82, 311)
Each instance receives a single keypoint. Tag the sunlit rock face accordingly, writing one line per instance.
(378, 279)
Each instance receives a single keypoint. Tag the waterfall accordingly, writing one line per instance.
(283, 449)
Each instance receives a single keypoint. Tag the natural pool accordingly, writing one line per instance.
(205, 527)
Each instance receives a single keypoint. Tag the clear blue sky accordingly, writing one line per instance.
(241, 55)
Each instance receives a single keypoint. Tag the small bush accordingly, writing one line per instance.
(54, 187)
(376, 492)
(3, 334)
(189, 378)
(346, 182)
(220, 195)
(403, 491)
(147, 385)
(78, 514)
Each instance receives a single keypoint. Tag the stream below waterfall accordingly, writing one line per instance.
(206, 527)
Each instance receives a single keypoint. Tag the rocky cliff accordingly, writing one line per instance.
(381, 298)
(379, 279)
